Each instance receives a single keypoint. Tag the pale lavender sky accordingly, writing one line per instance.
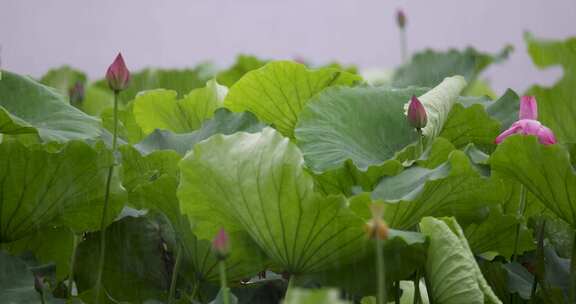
(39, 34)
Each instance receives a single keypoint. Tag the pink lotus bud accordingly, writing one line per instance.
(528, 108)
(401, 18)
(221, 244)
(417, 116)
(529, 127)
(118, 75)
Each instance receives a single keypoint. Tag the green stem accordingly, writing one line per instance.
(428, 288)
(403, 48)
(381, 271)
(520, 211)
(417, 296)
(175, 275)
(397, 292)
(224, 288)
(102, 257)
(420, 148)
(539, 274)
(573, 271)
(72, 266)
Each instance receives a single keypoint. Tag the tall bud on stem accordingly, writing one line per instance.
(118, 77)
(221, 248)
(401, 22)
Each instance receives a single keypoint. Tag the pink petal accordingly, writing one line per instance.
(546, 136)
(528, 108)
(514, 129)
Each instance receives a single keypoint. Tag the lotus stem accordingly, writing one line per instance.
(106, 202)
(417, 296)
(573, 271)
(403, 47)
(174, 279)
(381, 299)
(520, 212)
(397, 292)
(72, 266)
(539, 274)
(223, 287)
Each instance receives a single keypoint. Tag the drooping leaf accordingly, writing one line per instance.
(223, 122)
(454, 188)
(28, 107)
(64, 187)
(63, 78)
(451, 268)
(497, 233)
(255, 183)
(159, 109)
(556, 105)
(277, 92)
(243, 65)
(545, 171)
(505, 109)
(428, 68)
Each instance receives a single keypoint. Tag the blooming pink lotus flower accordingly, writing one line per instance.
(118, 75)
(221, 244)
(528, 123)
(417, 116)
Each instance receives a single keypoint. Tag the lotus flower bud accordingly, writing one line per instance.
(76, 93)
(118, 75)
(221, 245)
(417, 117)
(401, 19)
(376, 228)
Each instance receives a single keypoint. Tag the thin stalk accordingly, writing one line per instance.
(428, 288)
(403, 47)
(420, 148)
(397, 292)
(224, 288)
(102, 257)
(42, 297)
(174, 279)
(381, 272)
(539, 274)
(520, 211)
(72, 266)
(417, 296)
(573, 271)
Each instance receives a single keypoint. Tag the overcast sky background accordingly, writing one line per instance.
(40, 34)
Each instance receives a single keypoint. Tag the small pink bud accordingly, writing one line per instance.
(417, 117)
(528, 108)
(118, 75)
(76, 93)
(401, 18)
(221, 244)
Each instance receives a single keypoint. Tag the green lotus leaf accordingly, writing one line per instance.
(277, 92)
(63, 79)
(255, 183)
(28, 107)
(223, 122)
(451, 267)
(497, 233)
(556, 104)
(456, 187)
(159, 109)
(470, 125)
(545, 171)
(429, 68)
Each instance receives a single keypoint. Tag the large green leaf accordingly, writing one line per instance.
(456, 187)
(28, 107)
(64, 187)
(223, 122)
(497, 233)
(557, 104)
(151, 182)
(545, 171)
(255, 183)
(428, 68)
(470, 125)
(277, 92)
(451, 268)
(159, 109)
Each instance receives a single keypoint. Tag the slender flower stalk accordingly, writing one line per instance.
(377, 230)
(417, 296)
(520, 212)
(401, 22)
(174, 280)
(118, 78)
(221, 247)
(72, 266)
(540, 271)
